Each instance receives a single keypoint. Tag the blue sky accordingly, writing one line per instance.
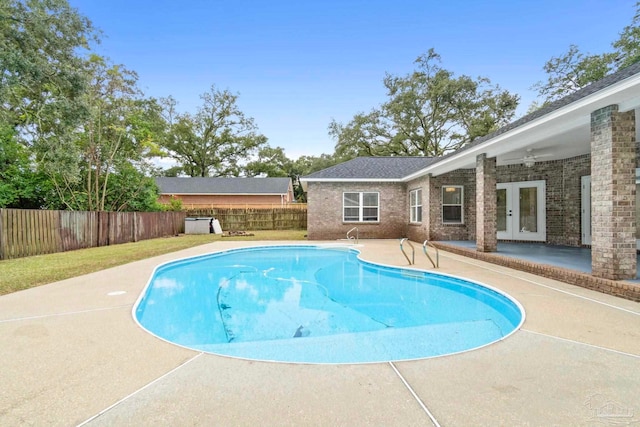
(299, 64)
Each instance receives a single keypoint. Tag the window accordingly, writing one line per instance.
(452, 199)
(360, 207)
(415, 205)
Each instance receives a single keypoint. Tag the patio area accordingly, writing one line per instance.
(73, 355)
(573, 258)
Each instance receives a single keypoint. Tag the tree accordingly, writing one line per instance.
(271, 162)
(42, 77)
(216, 140)
(627, 46)
(101, 166)
(574, 70)
(20, 185)
(428, 113)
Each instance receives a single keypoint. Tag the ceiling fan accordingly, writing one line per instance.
(529, 159)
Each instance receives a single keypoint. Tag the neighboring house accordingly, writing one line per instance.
(225, 192)
(566, 174)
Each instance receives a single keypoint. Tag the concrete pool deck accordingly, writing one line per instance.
(72, 355)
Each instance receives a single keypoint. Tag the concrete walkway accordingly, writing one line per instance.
(71, 354)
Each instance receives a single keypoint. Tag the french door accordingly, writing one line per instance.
(521, 211)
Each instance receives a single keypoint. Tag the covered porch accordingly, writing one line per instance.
(564, 175)
(565, 263)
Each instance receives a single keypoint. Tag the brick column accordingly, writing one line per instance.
(613, 192)
(486, 201)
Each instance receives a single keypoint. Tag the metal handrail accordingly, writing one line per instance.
(349, 237)
(424, 248)
(413, 251)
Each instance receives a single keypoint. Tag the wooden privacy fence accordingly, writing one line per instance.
(256, 219)
(25, 232)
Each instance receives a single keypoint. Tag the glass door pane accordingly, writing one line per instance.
(501, 221)
(521, 212)
(528, 218)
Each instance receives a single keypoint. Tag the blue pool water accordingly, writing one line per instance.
(313, 304)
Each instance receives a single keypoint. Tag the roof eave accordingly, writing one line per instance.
(305, 181)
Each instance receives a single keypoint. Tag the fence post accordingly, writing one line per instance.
(135, 227)
(2, 231)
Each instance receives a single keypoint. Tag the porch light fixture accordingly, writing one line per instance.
(529, 161)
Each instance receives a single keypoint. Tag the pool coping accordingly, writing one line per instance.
(214, 348)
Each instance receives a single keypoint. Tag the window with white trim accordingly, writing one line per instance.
(415, 205)
(360, 207)
(452, 204)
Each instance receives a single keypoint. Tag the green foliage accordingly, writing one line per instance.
(76, 131)
(216, 140)
(20, 185)
(627, 47)
(428, 113)
(574, 70)
(130, 189)
(271, 162)
(42, 77)
(174, 205)
(101, 165)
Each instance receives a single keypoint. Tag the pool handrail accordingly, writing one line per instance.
(349, 237)
(413, 251)
(424, 248)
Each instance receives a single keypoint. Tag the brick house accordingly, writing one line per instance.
(223, 192)
(564, 175)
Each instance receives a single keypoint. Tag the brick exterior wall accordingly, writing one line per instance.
(613, 192)
(324, 207)
(563, 194)
(432, 227)
(419, 232)
(563, 203)
(563, 200)
(466, 231)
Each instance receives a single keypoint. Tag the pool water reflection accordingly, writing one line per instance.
(319, 305)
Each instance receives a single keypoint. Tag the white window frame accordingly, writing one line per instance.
(361, 207)
(461, 204)
(415, 206)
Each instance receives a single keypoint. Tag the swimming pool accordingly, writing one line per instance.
(315, 304)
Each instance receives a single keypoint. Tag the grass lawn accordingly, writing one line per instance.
(24, 273)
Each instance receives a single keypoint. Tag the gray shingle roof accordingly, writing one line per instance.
(223, 185)
(374, 168)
